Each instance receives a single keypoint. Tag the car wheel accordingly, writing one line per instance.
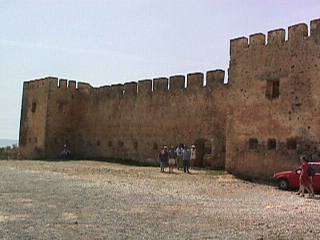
(283, 184)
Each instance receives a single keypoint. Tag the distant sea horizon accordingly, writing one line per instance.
(5, 142)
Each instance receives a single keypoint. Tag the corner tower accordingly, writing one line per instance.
(274, 97)
(33, 122)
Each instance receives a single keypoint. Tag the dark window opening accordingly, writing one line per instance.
(61, 107)
(207, 147)
(155, 146)
(120, 144)
(135, 145)
(272, 144)
(224, 149)
(36, 140)
(34, 107)
(272, 89)
(29, 140)
(98, 143)
(253, 143)
(110, 143)
(291, 143)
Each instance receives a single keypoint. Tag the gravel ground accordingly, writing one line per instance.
(96, 200)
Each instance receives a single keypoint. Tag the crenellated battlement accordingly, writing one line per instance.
(214, 77)
(193, 81)
(237, 46)
(297, 35)
(160, 84)
(145, 87)
(257, 40)
(58, 83)
(176, 82)
(63, 83)
(40, 83)
(72, 84)
(276, 37)
(315, 29)
(163, 84)
(116, 90)
(130, 89)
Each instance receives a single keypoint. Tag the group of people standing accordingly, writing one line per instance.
(306, 178)
(181, 157)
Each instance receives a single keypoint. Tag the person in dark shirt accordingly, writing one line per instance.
(186, 155)
(164, 158)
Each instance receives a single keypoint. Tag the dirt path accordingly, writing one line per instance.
(95, 200)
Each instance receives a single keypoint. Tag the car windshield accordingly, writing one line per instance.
(316, 167)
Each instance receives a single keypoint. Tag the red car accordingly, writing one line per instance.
(290, 179)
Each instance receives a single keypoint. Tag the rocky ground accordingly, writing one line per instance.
(96, 200)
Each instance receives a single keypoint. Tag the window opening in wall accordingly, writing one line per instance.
(61, 107)
(135, 145)
(291, 143)
(110, 143)
(155, 146)
(272, 143)
(98, 143)
(253, 143)
(273, 89)
(22, 141)
(36, 140)
(120, 144)
(34, 107)
(207, 147)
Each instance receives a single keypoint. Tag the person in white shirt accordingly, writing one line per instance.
(179, 152)
(193, 155)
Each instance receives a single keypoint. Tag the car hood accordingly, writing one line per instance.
(284, 173)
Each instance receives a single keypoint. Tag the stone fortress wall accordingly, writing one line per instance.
(257, 124)
(129, 121)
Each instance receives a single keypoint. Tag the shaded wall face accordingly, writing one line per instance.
(274, 112)
(33, 120)
(135, 125)
(51, 113)
(62, 118)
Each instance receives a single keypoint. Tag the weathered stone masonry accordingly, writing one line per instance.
(257, 124)
(130, 121)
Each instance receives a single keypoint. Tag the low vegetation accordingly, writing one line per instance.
(10, 152)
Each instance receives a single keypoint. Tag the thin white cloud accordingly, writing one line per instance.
(104, 52)
(98, 52)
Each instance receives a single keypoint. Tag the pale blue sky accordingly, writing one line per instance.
(105, 42)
